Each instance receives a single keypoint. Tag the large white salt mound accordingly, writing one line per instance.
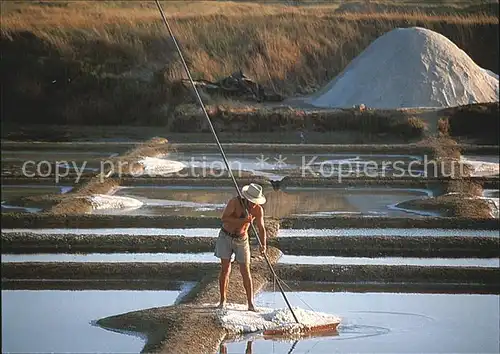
(409, 67)
(236, 319)
(104, 201)
(154, 166)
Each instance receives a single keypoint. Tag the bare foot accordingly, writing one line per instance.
(221, 305)
(251, 307)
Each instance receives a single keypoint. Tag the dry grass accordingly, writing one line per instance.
(26, 15)
(118, 55)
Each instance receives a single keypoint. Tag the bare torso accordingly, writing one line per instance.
(237, 211)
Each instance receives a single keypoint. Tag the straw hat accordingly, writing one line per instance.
(253, 192)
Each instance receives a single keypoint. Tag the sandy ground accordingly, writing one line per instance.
(438, 288)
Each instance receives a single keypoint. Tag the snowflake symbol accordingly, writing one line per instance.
(280, 161)
(262, 161)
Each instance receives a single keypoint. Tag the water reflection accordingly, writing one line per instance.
(248, 348)
(189, 201)
(390, 323)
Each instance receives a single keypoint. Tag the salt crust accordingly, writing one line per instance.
(236, 319)
(154, 166)
(409, 68)
(104, 201)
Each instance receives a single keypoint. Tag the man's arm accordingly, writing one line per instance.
(261, 228)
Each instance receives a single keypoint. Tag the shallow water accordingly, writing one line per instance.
(12, 193)
(389, 323)
(46, 321)
(213, 232)
(61, 321)
(317, 202)
(208, 257)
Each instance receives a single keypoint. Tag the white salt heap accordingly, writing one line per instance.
(409, 67)
(154, 166)
(104, 201)
(236, 319)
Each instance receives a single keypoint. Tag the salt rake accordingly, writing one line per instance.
(276, 332)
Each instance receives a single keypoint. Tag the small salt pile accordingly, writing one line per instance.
(154, 166)
(409, 67)
(236, 319)
(104, 201)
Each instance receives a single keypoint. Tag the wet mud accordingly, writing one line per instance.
(390, 246)
(206, 274)
(84, 284)
(46, 220)
(389, 274)
(159, 285)
(457, 205)
(385, 287)
(460, 198)
(123, 146)
(180, 271)
(353, 246)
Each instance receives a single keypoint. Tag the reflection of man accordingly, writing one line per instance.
(233, 237)
(248, 349)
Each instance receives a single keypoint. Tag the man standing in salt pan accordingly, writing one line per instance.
(233, 238)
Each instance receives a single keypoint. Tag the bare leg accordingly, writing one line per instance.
(225, 270)
(223, 349)
(248, 349)
(247, 283)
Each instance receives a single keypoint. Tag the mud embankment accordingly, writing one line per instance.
(388, 274)
(439, 183)
(191, 142)
(33, 221)
(352, 246)
(156, 284)
(179, 271)
(372, 287)
(387, 246)
(460, 198)
(477, 122)
(287, 272)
